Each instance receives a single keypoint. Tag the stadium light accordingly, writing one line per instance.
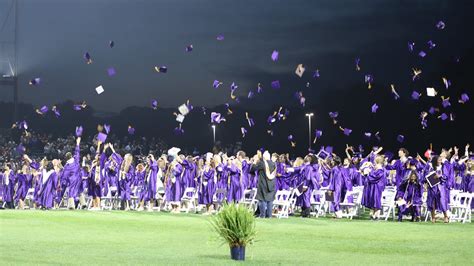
(309, 115)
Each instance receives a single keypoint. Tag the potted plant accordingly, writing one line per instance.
(235, 225)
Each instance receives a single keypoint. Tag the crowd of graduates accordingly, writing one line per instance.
(71, 179)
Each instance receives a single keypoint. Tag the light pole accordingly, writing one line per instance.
(214, 133)
(309, 115)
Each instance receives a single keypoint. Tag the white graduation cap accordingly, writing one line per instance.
(183, 109)
(99, 89)
(300, 70)
(174, 151)
(431, 92)
(180, 118)
(209, 156)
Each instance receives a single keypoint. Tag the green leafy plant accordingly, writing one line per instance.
(235, 225)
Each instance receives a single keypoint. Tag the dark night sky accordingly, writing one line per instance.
(327, 35)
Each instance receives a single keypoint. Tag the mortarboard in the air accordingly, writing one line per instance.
(300, 70)
(183, 109)
(154, 104)
(99, 89)
(161, 69)
(111, 71)
(357, 64)
(464, 98)
(107, 128)
(374, 108)
(35, 81)
(276, 84)
(56, 111)
(220, 37)
(422, 54)
(368, 135)
(79, 131)
(216, 118)
(322, 154)
(411, 46)
(443, 116)
(111, 44)
(431, 44)
(131, 130)
(243, 131)
(43, 110)
(415, 95)
(440, 25)
(275, 55)
(394, 92)
(400, 138)
(189, 48)
(416, 73)
(446, 82)
(431, 92)
(317, 134)
(178, 130)
(88, 58)
(445, 102)
(216, 84)
(369, 79)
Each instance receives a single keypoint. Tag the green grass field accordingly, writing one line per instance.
(82, 237)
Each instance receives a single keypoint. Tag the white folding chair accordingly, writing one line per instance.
(349, 210)
(318, 201)
(460, 208)
(64, 200)
(388, 203)
(282, 203)
(249, 199)
(30, 195)
(108, 200)
(219, 198)
(189, 199)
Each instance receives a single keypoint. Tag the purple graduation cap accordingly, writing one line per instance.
(446, 82)
(396, 96)
(275, 55)
(357, 63)
(23, 125)
(216, 118)
(431, 44)
(35, 165)
(111, 71)
(88, 58)
(445, 102)
(43, 110)
(101, 137)
(233, 86)
(323, 154)
(154, 104)
(374, 108)
(131, 130)
(161, 69)
(107, 128)
(111, 44)
(56, 111)
(250, 120)
(290, 137)
(422, 54)
(35, 81)
(433, 110)
(291, 140)
(216, 84)
(368, 135)
(189, 48)
(440, 25)
(243, 131)
(317, 134)
(411, 46)
(369, 79)
(276, 84)
(443, 116)
(400, 138)
(301, 99)
(259, 88)
(79, 131)
(316, 75)
(271, 119)
(415, 95)
(333, 115)
(347, 131)
(220, 37)
(464, 98)
(377, 136)
(77, 107)
(250, 94)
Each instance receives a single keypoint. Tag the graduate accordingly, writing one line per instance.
(400, 166)
(235, 190)
(173, 182)
(309, 181)
(207, 178)
(409, 194)
(437, 192)
(97, 178)
(126, 175)
(341, 183)
(8, 181)
(50, 182)
(72, 175)
(376, 179)
(23, 180)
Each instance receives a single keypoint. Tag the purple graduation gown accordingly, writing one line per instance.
(71, 174)
(125, 182)
(8, 188)
(207, 186)
(49, 188)
(235, 191)
(24, 183)
(173, 186)
(372, 196)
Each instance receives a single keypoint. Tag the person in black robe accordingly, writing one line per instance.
(266, 190)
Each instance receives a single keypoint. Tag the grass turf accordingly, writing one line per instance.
(82, 237)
